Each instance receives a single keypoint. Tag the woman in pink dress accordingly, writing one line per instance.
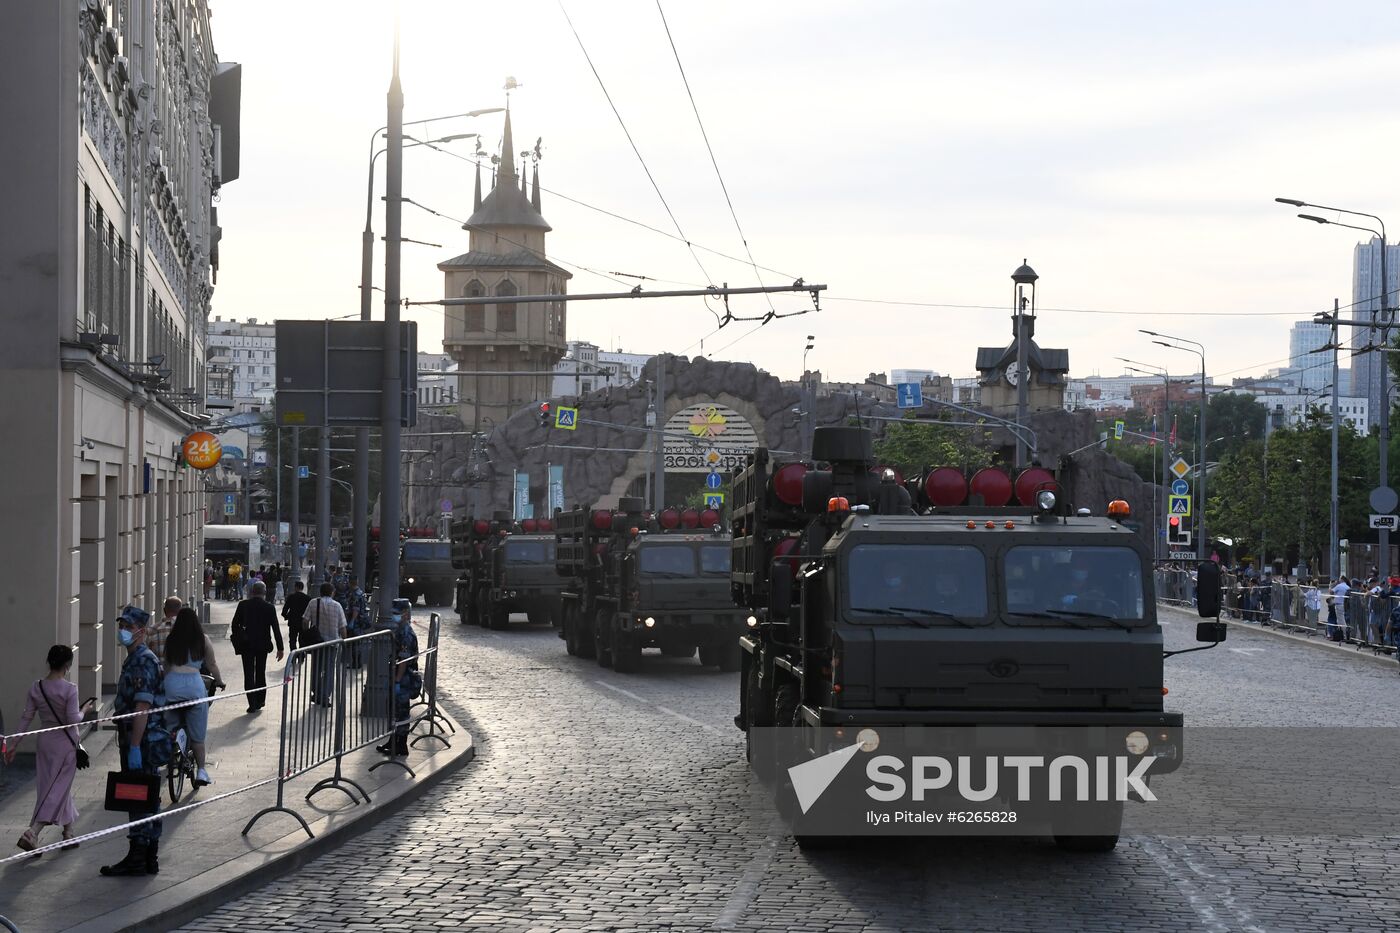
(55, 700)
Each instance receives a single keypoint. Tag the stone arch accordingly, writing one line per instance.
(639, 463)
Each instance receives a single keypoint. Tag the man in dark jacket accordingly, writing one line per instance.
(292, 608)
(254, 627)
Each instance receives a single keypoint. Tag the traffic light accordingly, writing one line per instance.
(1178, 533)
(544, 415)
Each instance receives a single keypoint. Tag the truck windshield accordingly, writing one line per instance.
(427, 550)
(888, 582)
(1072, 583)
(667, 560)
(714, 558)
(529, 552)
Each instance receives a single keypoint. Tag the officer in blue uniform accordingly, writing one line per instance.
(408, 682)
(142, 740)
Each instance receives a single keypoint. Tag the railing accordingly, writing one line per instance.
(1359, 618)
(438, 724)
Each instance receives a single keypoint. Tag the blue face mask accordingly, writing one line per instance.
(396, 618)
(126, 637)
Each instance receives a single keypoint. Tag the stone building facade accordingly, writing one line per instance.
(124, 125)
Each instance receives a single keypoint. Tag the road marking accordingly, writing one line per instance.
(1208, 904)
(1247, 650)
(659, 708)
(747, 887)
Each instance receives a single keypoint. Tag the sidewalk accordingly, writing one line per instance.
(204, 860)
(1276, 631)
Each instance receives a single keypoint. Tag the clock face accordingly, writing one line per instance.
(1012, 374)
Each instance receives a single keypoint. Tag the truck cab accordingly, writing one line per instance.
(523, 577)
(425, 569)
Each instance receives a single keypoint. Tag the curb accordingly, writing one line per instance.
(1344, 650)
(190, 900)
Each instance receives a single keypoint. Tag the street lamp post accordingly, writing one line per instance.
(1383, 314)
(1201, 434)
(360, 500)
(1159, 508)
(807, 399)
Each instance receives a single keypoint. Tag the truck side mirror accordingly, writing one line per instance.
(1208, 593)
(1213, 632)
(779, 591)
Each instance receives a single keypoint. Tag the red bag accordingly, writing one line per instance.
(132, 791)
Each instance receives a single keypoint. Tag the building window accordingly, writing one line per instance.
(505, 313)
(475, 314)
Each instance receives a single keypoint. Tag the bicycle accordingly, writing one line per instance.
(183, 763)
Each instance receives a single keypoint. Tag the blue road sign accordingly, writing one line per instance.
(1179, 505)
(714, 480)
(228, 498)
(566, 418)
(714, 500)
(1181, 488)
(303, 472)
(909, 394)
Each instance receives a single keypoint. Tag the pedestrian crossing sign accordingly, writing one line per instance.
(714, 500)
(1179, 505)
(566, 418)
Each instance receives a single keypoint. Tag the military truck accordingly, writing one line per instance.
(425, 569)
(469, 537)
(634, 580)
(943, 603)
(519, 575)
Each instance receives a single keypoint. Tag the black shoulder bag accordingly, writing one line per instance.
(311, 634)
(83, 760)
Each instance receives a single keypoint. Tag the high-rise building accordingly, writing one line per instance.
(1365, 295)
(506, 350)
(1314, 369)
(122, 125)
(242, 364)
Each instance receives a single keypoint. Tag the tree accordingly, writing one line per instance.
(912, 445)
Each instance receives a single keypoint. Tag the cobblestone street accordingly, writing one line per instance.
(608, 802)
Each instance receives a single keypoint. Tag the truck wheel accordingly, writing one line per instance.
(731, 657)
(1104, 819)
(602, 639)
(499, 618)
(583, 634)
(626, 652)
(756, 707)
(786, 699)
(570, 632)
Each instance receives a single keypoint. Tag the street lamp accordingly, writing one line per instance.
(806, 444)
(1147, 369)
(361, 497)
(1383, 314)
(1201, 485)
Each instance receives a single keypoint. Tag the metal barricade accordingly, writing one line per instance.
(438, 724)
(327, 711)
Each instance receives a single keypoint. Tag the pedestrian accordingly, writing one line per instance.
(223, 580)
(1337, 611)
(142, 742)
(356, 619)
(253, 632)
(55, 700)
(159, 631)
(292, 610)
(235, 578)
(323, 620)
(187, 650)
(1312, 602)
(340, 579)
(408, 682)
(208, 580)
(273, 579)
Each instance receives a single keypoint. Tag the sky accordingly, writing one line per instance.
(906, 154)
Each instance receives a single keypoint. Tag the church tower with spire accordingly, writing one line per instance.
(505, 257)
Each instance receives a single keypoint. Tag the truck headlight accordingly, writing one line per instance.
(649, 622)
(752, 621)
(410, 579)
(1136, 743)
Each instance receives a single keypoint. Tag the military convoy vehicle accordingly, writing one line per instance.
(504, 567)
(944, 602)
(633, 580)
(425, 569)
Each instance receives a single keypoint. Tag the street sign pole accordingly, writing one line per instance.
(391, 432)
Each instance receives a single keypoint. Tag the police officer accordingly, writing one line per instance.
(139, 738)
(407, 680)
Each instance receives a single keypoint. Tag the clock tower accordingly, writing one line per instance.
(999, 368)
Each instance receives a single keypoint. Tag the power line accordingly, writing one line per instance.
(632, 142)
(708, 148)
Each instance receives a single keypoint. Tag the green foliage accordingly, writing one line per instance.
(910, 446)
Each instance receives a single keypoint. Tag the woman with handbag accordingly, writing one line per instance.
(55, 699)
